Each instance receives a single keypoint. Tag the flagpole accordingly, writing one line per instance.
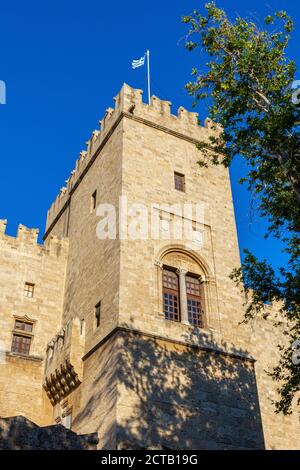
(148, 70)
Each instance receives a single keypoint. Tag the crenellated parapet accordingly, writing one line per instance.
(27, 239)
(63, 364)
(129, 104)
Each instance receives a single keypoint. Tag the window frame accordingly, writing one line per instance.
(179, 181)
(97, 317)
(192, 297)
(23, 333)
(31, 287)
(167, 292)
(82, 327)
(24, 339)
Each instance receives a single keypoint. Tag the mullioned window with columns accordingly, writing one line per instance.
(186, 289)
(22, 335)
(182, 289)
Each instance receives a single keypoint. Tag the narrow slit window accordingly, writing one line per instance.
(97, 314)
(82, 326)
(94, 201)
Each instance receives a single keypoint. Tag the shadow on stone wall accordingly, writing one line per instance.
(173, 397)
(18, 433)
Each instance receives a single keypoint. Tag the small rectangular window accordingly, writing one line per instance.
(82, 326)
(28, 289)
(22, 337)
(20, 344)
(97, 314)
(179, 181)
(94, 201)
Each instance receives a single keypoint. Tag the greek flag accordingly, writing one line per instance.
(138, 63)
(2, 92)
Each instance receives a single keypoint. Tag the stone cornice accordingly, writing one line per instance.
(25, 357)
(210, 349)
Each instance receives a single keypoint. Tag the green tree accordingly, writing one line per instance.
(247, 82)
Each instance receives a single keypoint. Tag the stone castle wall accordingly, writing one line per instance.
(18, 433)
(22, 260)
(138, 379)
(145, 145)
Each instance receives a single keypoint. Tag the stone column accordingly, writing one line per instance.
(182, 295)
(159, 289)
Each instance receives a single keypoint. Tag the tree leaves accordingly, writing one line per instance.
(248, 82)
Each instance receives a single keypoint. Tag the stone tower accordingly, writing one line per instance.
(146, 347)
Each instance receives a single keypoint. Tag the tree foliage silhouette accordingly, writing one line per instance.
(248, 83)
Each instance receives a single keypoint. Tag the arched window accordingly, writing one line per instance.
(194, 301)
(190, 287)
(186, 289)
(171, 295)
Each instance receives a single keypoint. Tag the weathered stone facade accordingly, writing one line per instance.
(137, 379)
(18, 433)
(23, 260)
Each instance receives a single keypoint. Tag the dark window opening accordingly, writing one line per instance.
(23, 325)
(20, 344)
(179, 181)
(82, 326)
(97, 314)
(94, 200)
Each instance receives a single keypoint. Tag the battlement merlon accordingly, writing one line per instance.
(27, 238)
(129, 104)
(3, 223)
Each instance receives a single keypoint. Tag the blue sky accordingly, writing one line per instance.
(64, 61)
